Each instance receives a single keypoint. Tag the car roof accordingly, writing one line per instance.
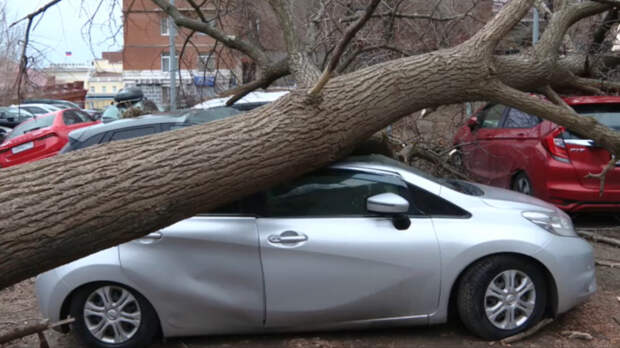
(250, 98)
(581, 100)
(54, 107)
(87, 132)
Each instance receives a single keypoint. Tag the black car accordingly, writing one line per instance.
(142, 126)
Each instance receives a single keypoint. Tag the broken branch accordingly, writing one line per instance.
(342, 45)
(525, 334)
(598, 238)
(603, 174)
(32, 329)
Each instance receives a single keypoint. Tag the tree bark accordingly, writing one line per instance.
(59, 209)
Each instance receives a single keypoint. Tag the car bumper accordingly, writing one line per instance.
(576, 198)
(47, 286)
(571, 263)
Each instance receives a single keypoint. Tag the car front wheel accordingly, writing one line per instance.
(112, 315)
(501, 296)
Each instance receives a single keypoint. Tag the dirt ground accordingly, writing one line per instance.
(599, 317)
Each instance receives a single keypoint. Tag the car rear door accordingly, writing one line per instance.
(585, 155)
(513, 146)
(202, 274)
(479, 160)
(325, 260)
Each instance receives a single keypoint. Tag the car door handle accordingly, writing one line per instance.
(288, 237)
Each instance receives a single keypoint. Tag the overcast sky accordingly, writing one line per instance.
(61, 29)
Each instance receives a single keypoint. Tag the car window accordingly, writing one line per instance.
(29, 126)
(519, 119)
(132, 133)
(607, 114)
(90, 141)
(35, 109)
(198, 116)
(433, 205)
(70, 117)
(491, 116)
(330, 193)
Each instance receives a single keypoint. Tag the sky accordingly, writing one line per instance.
(63, 29)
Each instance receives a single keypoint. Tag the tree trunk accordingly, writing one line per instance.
(59, 209)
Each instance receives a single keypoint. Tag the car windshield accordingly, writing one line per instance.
(29, 126)
(607, 114)
(198, 116)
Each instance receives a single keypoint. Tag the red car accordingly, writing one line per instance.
(41, 137)
(506, 147)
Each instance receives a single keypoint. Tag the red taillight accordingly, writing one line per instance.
(554, 143)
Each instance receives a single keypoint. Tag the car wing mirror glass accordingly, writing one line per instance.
(387, 203)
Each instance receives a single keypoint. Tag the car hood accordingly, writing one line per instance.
(506, 199)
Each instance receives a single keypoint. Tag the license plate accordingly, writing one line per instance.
(22, 147)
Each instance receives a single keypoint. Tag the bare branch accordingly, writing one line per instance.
(560, 22)
(342, 45)
(554, 97)
(271, 74)
(247, 48)
(603, 174)
(496, 29)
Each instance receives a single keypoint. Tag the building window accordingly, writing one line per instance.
(113, 88)
(206, 62)
(163, 27)
(92, 89)
(103, 89)
(165, 61)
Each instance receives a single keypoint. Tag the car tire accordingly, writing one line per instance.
(485, 299)
(522, 183)
(119, 317)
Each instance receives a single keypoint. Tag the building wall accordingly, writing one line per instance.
(144, 45)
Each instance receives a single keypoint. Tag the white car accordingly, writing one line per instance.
(39, 109)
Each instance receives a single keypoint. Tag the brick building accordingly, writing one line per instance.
(204, 71)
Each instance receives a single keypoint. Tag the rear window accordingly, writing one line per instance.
(29, 126)
(199, 116)
(607, 114)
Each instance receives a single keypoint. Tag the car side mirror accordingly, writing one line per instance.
(387, 203)
(391, 204)
(472, 122)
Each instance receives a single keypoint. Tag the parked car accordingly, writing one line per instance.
(249, 102)
(505, 147)
(41, 137)
(142, 126)
(12, 116)
(121, 129)
(63, 104)
(39, 109)
(365, 242)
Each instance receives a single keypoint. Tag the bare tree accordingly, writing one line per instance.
(9, 55)
(62, 208)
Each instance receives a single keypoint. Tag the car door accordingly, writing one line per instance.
(326, 260)
(202, 274)
(513, 147)
(479, 160)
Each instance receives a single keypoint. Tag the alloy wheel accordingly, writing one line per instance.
(510, 299)
(112, 314)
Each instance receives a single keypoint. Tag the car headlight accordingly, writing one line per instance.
(557, 223)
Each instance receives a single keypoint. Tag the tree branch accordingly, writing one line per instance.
(342, 45)
(271, 74)
(229, 41)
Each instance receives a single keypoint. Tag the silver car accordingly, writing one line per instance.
(365, 242)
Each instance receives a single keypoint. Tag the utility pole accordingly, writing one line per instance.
(172, 33)
(535, 26)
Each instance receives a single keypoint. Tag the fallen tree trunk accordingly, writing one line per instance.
(59, 209)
